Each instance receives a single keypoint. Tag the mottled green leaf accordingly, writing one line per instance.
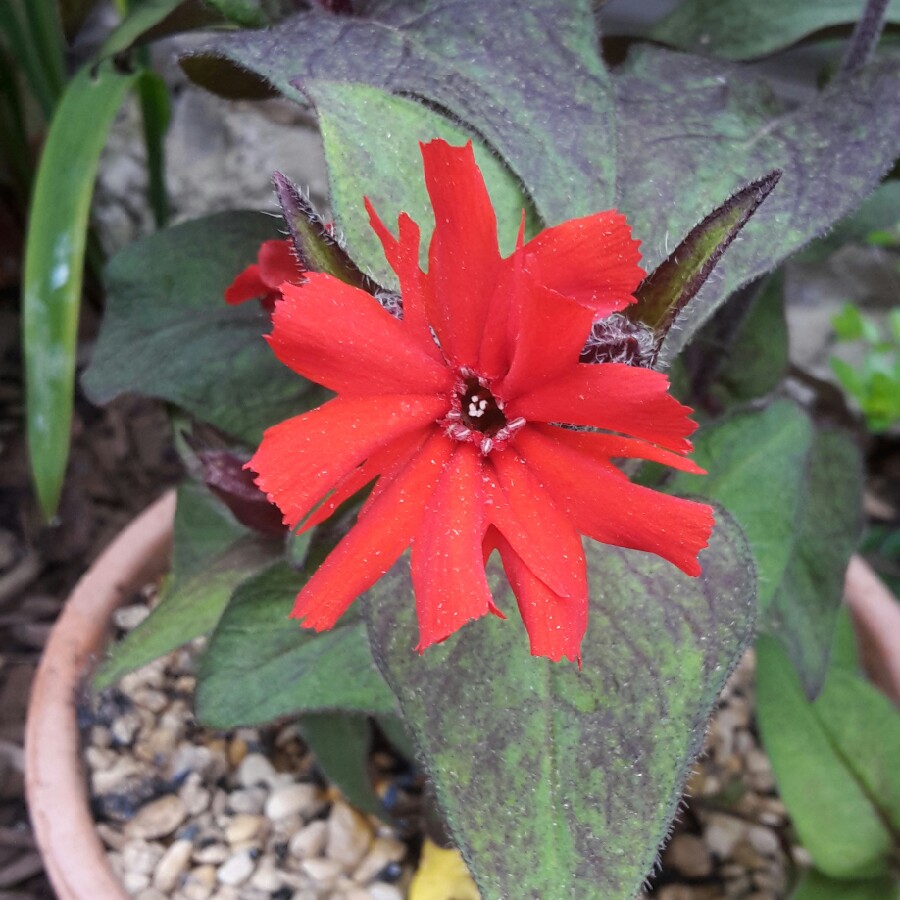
(796, 491)
(841, 820)
(341, 744)
(692, 131)
(879, 213)
(261, 665)
(54, 262)
(371, 142)
(168, 332)
(739, 30)
(816, 886)
(213, 555)
(520, 75)
(557, 782)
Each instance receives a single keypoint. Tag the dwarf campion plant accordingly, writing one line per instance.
(458, 413)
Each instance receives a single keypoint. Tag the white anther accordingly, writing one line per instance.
(453, 415)
(486, 445)
(515, 424)
(477, 407)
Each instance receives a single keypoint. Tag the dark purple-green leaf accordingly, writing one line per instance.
(692, 131)
(737, 29)
(668, 289)
(168, 332)
(520, 75)
(557, 782)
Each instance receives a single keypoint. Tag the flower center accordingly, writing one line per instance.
(476, 415)
(479, 409)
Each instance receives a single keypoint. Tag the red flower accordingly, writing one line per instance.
(276, 264)
(456, 411)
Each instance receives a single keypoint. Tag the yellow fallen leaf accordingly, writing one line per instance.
(442, 875)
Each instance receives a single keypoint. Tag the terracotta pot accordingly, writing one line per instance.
(74, 855)
(55, 782)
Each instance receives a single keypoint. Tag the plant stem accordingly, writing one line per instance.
(865, 37)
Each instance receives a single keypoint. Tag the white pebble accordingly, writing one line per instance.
(140, 857)
(251, 800)
(304, 799)
(309, 841)
(244, 827)
(349, 835)
(255, 770)
(237, 869)
(157, 818)
(172, 864)
(382, 891)
(322, 870)
(135, 881)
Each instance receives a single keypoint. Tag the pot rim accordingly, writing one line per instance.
(55, 781)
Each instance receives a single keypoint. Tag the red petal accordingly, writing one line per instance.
(375, 542)
(612, 396)
(463, 257)
(247, 286)
(340, 337)
(612, 446)
(382, 461)
(402, 255)
(555, 625)
(548, 334)
(607, 507)
(300, 460)
(278, 264)
(593, 260)
(524, 513)
(447, 567)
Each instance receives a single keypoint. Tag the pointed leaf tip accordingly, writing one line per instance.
(317, 248)
(663, 294)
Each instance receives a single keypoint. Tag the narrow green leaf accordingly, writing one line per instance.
(863, 727)
(150, 19)
(213, 556)
(156, 113)
(261, 665)
(836, 815)
(54, 261)
(168, 332)
(739, 30)
(557, 782)
(666, 291)
(796, 491)
(341, 745)
(816, 886)
(22, 44)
